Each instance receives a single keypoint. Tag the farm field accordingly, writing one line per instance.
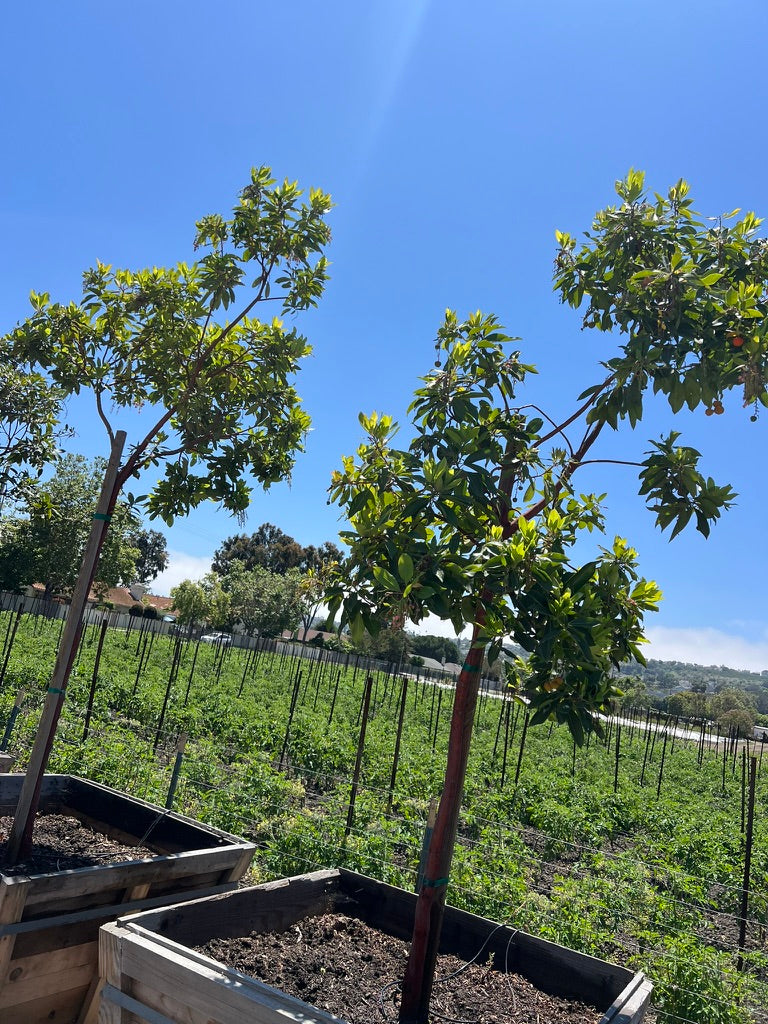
(637, 858)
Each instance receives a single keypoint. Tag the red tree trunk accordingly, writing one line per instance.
(420, 972)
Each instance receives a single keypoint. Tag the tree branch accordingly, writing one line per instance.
(579, 412)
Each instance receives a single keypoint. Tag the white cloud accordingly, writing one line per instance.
(432, 626)
(707, 646)
(704, 645)
(181, 566)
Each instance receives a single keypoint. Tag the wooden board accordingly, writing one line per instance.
(49, 922)
(148, 956)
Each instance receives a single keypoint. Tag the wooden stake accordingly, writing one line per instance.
(747, 865)
(20, 838)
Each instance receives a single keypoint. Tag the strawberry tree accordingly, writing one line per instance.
(476, 520)
(214, 381)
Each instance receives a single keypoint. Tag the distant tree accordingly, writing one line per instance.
(190, 602)
(317, 557)
(53, 526)
(270, 548)
(260, 601)
(634, 692)
(438, 647)
(737, 720)
(390, 644)
(315, 583)
(267, 548)
(153, 555)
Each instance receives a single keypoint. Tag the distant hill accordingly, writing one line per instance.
(664, 677)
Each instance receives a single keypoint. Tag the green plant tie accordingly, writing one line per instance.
(55, 689)
(104, 517)
(470, 668)
(434, 883)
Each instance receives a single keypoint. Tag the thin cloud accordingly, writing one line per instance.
(181, 566)
(706, 646)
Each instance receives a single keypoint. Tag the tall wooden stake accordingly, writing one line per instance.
(747, 866)
(20, 838)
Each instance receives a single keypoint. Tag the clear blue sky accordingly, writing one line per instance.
(454, 139)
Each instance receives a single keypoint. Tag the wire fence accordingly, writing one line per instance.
(299, 819)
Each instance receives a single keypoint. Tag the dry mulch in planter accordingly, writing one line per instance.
(60, 843)
(340, 965)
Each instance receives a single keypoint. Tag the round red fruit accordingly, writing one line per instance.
(737, 342)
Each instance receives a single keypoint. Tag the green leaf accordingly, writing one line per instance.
(405, 567)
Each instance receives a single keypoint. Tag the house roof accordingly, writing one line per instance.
(305, 634)
(121, 596)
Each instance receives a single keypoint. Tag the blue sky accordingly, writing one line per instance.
(454, 138)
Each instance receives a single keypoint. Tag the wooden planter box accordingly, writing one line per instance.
(49, 923)
(151, 975)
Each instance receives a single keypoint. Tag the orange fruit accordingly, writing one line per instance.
(553, 684)
(737, 342)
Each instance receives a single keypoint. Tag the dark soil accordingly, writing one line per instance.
(342, 966)
(60, 843)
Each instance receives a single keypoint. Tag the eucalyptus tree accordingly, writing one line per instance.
(476, 520)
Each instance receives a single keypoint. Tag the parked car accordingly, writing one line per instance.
(223, 639)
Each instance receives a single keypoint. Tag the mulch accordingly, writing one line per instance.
(338, 964)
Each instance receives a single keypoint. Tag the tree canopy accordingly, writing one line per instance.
(44, 543)
(29, 425)
(153, 555)
(255, 601)
(270, 548)
(476, 520)
(438, 647)
(181, 343)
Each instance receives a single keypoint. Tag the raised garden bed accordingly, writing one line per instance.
(49, 922)
(153, 974)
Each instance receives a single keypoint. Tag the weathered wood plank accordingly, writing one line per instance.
(154, 971)
(276, 905)
(106, 912)
(90, 1009)
(28, 977)
(13, 897)
(630, 1007)
(119, 1008)
(48, 986)
(39, 1011)
(150, 870)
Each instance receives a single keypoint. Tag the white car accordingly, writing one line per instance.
(224, 639)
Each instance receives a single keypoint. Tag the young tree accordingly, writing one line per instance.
(316, 581)
(183, 344)
(476, 520)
